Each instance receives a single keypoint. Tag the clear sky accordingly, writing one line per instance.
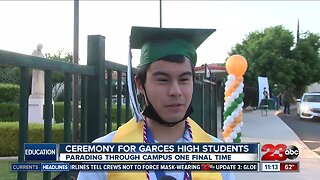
(24, 24)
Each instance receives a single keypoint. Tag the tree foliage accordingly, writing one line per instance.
(58, 77)
(306, 56)
(272, 53)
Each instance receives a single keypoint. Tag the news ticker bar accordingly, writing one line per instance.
(141, 152)
(241, 167)
(134, 167)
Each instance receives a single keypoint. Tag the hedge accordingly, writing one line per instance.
(9, 74)
(9, 112)
(9, 92)
(9, 136)
(59, 112)
(9, 133)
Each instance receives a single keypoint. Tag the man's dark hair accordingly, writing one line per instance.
(142, 73)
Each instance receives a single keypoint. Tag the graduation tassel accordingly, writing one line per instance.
(134, 104)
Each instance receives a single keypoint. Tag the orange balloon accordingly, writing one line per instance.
(238, 119)
(236, 65)
(239, 79)
(233, 125)
(235, 84)
(225, 134)
(228, 92)
(227, 131)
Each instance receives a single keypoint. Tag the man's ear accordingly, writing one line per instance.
(139, 84)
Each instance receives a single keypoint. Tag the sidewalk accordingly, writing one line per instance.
(271, 129)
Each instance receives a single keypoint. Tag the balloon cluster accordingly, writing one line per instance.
(236, 66)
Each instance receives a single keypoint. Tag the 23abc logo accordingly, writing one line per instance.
(279, 152)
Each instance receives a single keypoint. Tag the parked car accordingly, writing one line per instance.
(308, 106)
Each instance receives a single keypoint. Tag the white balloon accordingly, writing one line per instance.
(229, 118)
(231, 77)
(239, 90)
(235, 95)
(228, 84)
(234, 114)
(237, 129)
(226, 123)
(241, 85)
(233, 135)
(241, 124)
(239, 109)
(226, 103)
(228, 100)
(231, 98)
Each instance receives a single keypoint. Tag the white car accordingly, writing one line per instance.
(309, 106)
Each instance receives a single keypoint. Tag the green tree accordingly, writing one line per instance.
(307, 62)
(58, 77)
(271, 53)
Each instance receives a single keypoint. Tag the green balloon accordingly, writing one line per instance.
(237, 140)
(234, 105)
(239, 100)
(228, 111)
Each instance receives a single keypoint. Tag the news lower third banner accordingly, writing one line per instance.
(143, 152)
(154, 156)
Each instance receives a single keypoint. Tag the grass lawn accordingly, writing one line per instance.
(6, 174)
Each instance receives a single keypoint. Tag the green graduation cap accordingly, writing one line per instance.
(156, 43)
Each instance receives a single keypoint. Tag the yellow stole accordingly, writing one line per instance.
(132, 131)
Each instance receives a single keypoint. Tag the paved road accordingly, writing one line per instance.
(307, 130)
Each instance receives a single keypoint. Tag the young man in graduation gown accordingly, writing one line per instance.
(165, 79)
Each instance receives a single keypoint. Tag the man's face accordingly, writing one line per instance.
(169, 87)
